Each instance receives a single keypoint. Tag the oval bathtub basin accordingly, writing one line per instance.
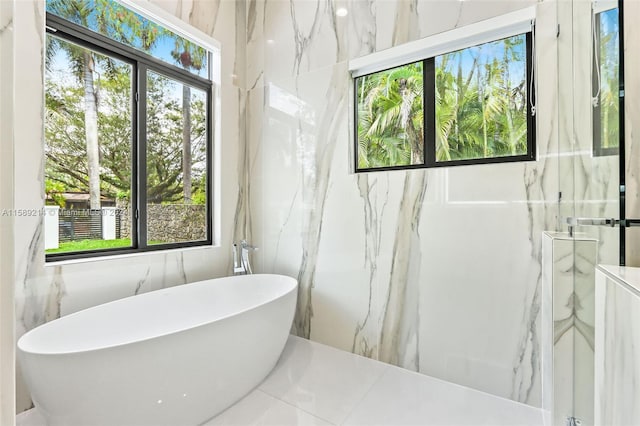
(176, 356)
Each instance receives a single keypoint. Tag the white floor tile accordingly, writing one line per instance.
(314, 384)
(321, 380)
(30, 418)
(402, 397)
(260, 409)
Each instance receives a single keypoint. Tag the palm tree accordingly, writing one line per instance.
(190, 57)
(478, 112)
(120, 24)
(457, 108)
(390, 118)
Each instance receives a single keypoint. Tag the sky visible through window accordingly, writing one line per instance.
(115, 21)
(90, 128)
(481, 108)
(607, 115)
(485, 53)
(481, 101)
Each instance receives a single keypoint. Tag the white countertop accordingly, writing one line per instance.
(626, 276)
(578, 236)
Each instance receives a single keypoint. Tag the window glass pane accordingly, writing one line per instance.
(176, 161)
(115, 21)
(481, 101)
(390, 117)
(88, 149)
(606, 117)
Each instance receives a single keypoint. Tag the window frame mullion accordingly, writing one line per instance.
(141, 64)
(141, 164)
(429, 111)
(429, 108)
(135, 155)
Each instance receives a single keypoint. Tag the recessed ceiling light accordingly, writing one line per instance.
(342, 11)
(270, 41)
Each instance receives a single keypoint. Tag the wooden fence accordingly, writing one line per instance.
(82, 224)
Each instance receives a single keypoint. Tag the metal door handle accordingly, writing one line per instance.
(599, 221)
(592, 221)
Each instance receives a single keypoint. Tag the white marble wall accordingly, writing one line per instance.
(588, 184)
(632, 124)
(617, 346)
(569, 286)
(44, 292)
(7, 355)
(438, 271)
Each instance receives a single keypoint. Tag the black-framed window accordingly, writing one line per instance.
(470, 106)
(128, 133)
(606, 81)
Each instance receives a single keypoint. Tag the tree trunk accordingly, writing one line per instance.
(513, 141)
(186, 143)
(481, 98)
(91, 132)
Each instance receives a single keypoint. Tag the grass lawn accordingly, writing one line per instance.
(83, 245)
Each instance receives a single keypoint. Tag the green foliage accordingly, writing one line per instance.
(65, 146)
(53, 190)
(123, 195)
(199, 195)
(390, 117)
(609, 58)
(65, 136)
(84, 245)
(164, 145)
(481, 107)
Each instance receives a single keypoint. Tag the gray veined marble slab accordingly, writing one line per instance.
(569, 284)
(43, 293)
(389, 264)
(617, 353)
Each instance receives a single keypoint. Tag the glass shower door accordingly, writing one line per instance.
(592, 203)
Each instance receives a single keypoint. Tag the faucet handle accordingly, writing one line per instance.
(245, 245)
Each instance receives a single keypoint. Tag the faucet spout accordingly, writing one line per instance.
(237, 261)
(241, 262)
(244, 258)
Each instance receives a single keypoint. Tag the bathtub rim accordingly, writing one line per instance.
(21, 351)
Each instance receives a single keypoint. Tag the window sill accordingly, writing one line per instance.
(113, 257)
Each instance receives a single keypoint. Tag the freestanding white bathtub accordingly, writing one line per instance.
(175, 357)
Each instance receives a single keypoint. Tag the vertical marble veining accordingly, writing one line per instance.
(632, 124)
(399, 337)
(570, 266)
(316, 184)
(141, 282)
(7, 288)
(363, 28)
(406, 23)
(399, 334)
(57, 292)
(385, 259)
(541, 191)
(527, 361)
(242, 228)
(617, 372)
(29, 244)
(45, 292)
(365, 340)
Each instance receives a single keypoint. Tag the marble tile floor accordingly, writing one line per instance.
(314, 384)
